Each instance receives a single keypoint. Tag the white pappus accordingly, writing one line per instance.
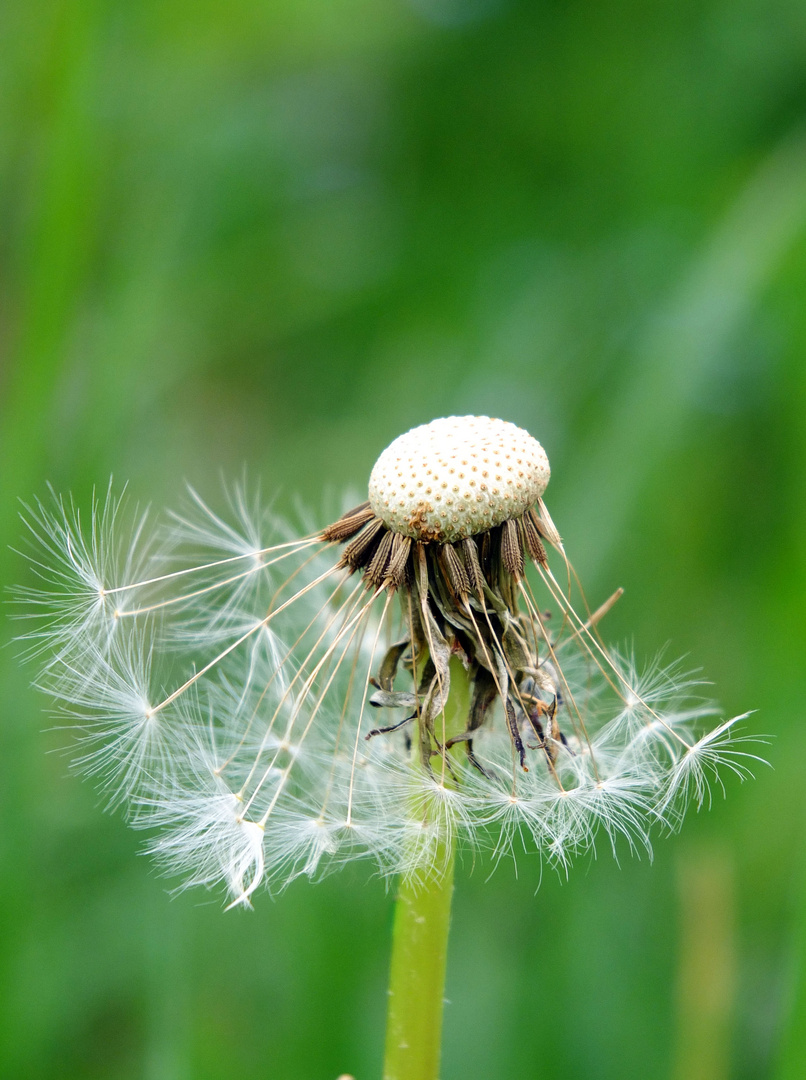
(413, 673)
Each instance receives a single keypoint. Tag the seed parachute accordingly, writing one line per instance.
(418, 672)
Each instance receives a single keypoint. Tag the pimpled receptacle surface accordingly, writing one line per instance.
(456, 477)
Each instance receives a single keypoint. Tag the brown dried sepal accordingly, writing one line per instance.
(455, 571)
(473, 567)
(348, 524)
(397, 571)
(545, 526)
(376, 571)
(512, 549)
(531, 535)
(362, 547)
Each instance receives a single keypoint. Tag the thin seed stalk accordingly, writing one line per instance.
(417, 978)
(420, 943)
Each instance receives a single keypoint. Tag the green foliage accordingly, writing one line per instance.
(279, 234)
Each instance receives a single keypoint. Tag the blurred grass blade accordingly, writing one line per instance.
(683, 344)
(706, 974)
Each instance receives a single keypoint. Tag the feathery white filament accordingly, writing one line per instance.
(229, 707)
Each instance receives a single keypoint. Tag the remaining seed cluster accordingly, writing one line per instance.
(492, 559)
(460, 567)
(262, 762)
(456, 477)
(460, 599)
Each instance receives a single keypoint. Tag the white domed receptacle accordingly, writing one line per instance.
(457, 476)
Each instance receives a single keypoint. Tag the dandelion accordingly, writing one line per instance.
(417, 676)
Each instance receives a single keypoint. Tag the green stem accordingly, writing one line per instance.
(417, 979)
(420, 942)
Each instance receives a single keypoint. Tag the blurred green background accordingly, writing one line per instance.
(278, 233)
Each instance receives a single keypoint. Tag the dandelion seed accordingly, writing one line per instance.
(412, 674)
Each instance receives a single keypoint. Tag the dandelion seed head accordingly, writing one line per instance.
(413, 676)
